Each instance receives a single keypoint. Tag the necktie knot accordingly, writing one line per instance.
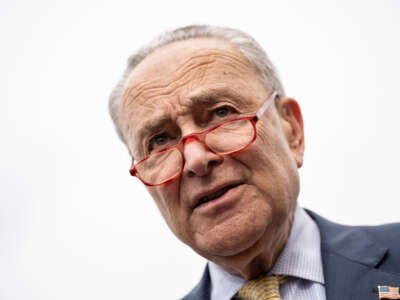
(263, 288)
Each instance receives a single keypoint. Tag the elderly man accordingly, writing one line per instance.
(218, 144)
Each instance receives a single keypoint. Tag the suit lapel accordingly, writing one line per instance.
(346, 279)
(351, 262)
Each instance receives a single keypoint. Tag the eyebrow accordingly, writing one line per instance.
(210, 95)
(154, 124)
(206, 96)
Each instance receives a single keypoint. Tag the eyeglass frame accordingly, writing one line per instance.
(200, 136)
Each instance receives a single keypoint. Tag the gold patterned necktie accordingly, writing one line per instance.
(263, 288)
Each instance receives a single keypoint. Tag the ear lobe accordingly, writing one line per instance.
(292, 123)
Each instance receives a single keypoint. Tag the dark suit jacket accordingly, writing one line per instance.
(355, 259)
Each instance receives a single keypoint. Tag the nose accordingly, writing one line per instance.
(199, 160)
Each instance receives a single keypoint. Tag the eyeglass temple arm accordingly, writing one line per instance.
(265, 106)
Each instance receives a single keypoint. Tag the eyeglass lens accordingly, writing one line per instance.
(228, 138)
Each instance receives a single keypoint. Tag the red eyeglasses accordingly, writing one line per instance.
(224, 139)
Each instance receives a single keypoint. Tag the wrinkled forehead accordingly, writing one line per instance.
(168, 58)
(163, 84)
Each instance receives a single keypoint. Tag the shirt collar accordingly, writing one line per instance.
(301, 258)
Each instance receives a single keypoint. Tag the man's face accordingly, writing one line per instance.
(220, 206)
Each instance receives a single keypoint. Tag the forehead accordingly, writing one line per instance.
(167, 59)
(165, 84)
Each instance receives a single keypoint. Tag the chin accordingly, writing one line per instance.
(231, 238)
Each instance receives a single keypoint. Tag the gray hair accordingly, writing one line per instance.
(248, 47)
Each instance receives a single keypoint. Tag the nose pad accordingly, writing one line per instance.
(199, 160)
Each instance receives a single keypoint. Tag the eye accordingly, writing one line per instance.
(158, 141)
(161, 139)
(222, 111)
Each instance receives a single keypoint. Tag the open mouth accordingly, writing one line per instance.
(216, 195)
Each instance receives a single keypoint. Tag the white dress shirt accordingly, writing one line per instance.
(300, 259)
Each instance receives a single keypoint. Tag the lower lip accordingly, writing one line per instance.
(222, 201)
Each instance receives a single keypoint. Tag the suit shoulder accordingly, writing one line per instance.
(387, 234)
(371, 245)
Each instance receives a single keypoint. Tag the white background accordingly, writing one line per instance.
(75, 225)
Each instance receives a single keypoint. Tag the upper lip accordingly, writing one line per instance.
(197, 198)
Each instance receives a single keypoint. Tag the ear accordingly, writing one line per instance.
(292, 124)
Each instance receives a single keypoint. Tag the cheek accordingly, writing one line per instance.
(272, 148)
(273, 169)
(261, 158)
